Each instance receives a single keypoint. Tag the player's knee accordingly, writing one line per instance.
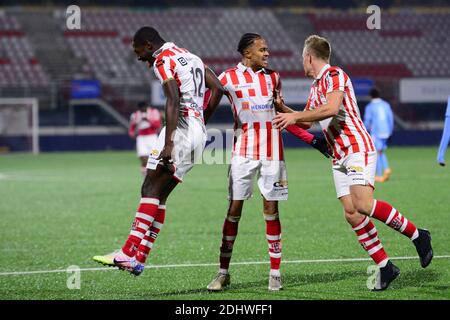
(270, 210)
(362, 206)
(234, 212)
(148, 190)
(351, 216)
(270, 207)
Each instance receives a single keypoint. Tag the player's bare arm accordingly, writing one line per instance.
(172, 106)
(217, 91)
(330, 109)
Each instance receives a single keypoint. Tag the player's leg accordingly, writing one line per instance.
(444, 142)
(273, 236)
(148, 208)
(157, 178)
(368, 238)
(149, 239)
(229, 233)
(143, 160)
(189, 143)
(365, 230)
(272, 183)
(364, 203)
(148, 211)
(240, 188)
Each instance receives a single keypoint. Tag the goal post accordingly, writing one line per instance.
(19, 124)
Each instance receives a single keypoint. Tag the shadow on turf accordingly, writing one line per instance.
(289, 280)
(418, 278)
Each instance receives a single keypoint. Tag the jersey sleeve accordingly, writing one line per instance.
(164, 69)
(334, 81)
(300, 133)
(224, 81)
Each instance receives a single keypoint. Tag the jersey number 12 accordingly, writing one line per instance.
(197, 74)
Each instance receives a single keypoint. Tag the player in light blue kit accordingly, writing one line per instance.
(445, 136)
(379, 120)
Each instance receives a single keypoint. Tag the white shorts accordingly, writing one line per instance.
(188, 148)
(144, 144)
(272, 179)
(355, 169)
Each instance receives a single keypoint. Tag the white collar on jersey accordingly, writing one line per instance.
(242, 68)
(164, 47)
(322, 71)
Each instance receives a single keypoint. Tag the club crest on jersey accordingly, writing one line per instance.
(245, 106)
(396, 223)
(334, 73)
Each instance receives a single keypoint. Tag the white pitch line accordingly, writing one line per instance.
(190, 265)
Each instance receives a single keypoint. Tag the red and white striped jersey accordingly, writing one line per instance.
(251, 97)
(345, 132)
(146, 122)
(188, 70)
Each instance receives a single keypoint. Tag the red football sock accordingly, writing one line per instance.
(147, 210)
(273, 235)
(229, 233)
(368, 238)
(384, 212)
(146, 244)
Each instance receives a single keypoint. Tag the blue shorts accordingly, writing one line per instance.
(380, 144)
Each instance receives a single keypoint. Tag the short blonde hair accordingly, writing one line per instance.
(318, 47)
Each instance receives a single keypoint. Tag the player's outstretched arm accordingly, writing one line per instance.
(325, 111)
(217, 91)
(317, 142)
(172, 108)
(281, 107)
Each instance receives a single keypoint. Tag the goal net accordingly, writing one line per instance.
(19, 125)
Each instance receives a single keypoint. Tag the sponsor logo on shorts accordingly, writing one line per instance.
(354, 169)
(281, 184)
(154, 152)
